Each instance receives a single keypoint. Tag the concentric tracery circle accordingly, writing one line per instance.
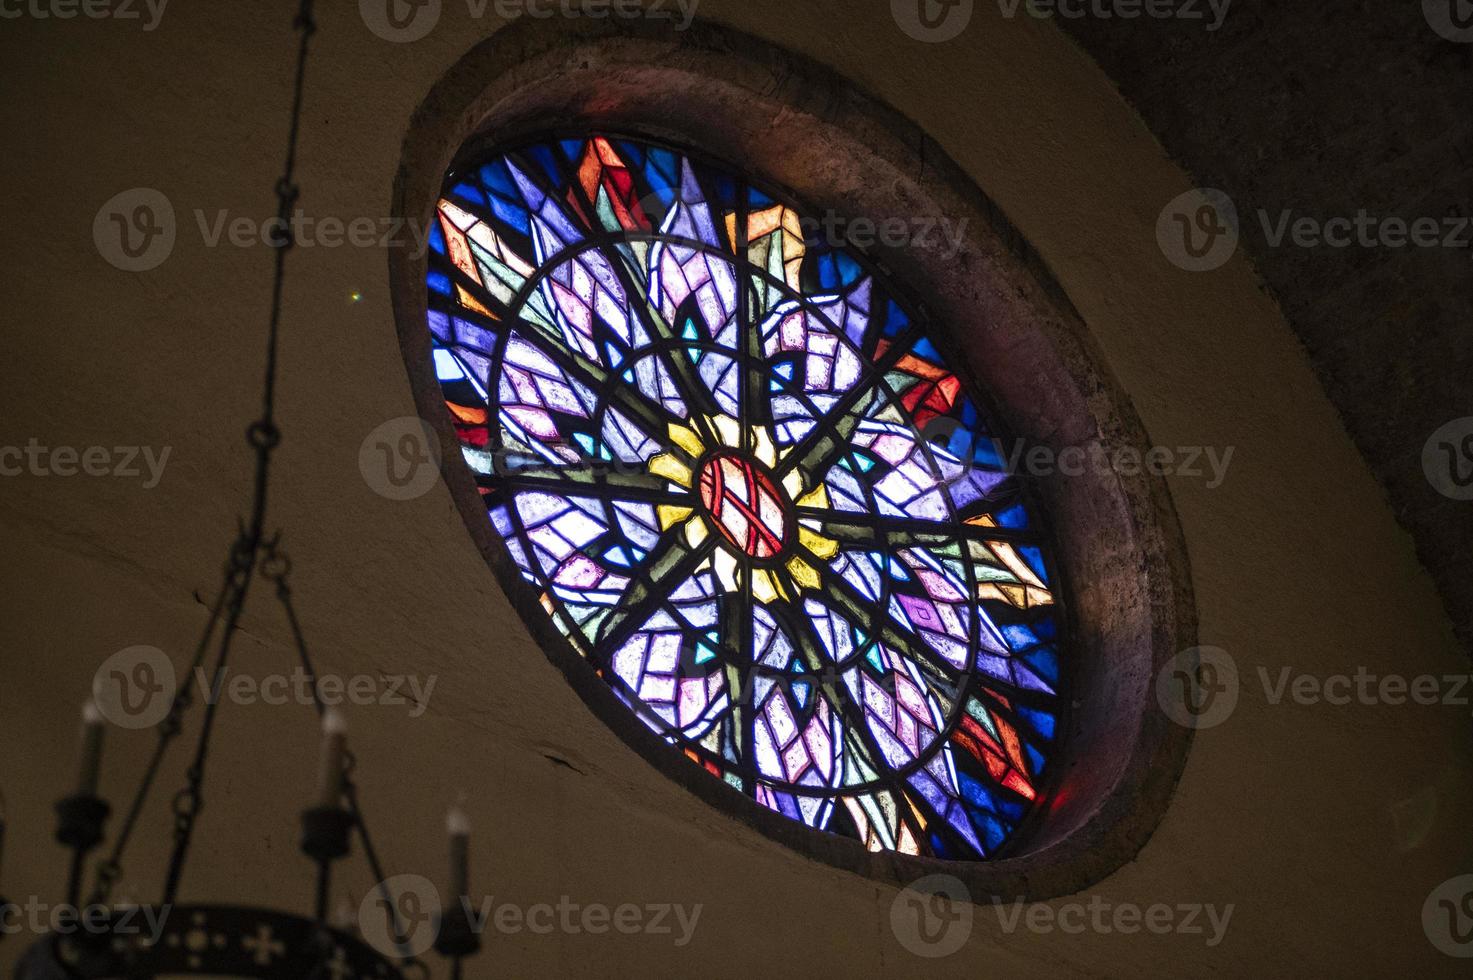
(744, 483)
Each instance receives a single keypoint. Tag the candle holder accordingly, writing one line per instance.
(457, 937)
(80, 821)
(325, 833)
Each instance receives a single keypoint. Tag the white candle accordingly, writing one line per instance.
(91, 768)
(459, 827)
(334, 755)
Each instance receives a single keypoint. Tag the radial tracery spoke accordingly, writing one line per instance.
(884, 629)
(670, 564)
(648, 413)
(853, 528)
(828, 440)
(691, 390)
(614, 483)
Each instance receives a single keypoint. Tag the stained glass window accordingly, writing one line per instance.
(732, 463)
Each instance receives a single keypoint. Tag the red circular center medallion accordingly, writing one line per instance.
(744, 504)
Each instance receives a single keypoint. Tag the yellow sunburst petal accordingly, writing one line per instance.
(803, 573)
(670, 515)
(728, 430)
(764, 449)
(687, 440)
(671, 469)
(696, 531)
(793, 483)
(817, 498)
(821, 546)
(724, 563)
(764, 587)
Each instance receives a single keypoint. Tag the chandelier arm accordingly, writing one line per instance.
(278, 568)
(111, 868)
(190, 800)
(391, 908)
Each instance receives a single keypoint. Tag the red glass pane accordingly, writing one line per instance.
(744, 504)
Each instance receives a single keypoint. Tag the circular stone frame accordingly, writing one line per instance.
(1124, 571)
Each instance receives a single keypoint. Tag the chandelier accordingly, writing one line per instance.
(224, 940)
